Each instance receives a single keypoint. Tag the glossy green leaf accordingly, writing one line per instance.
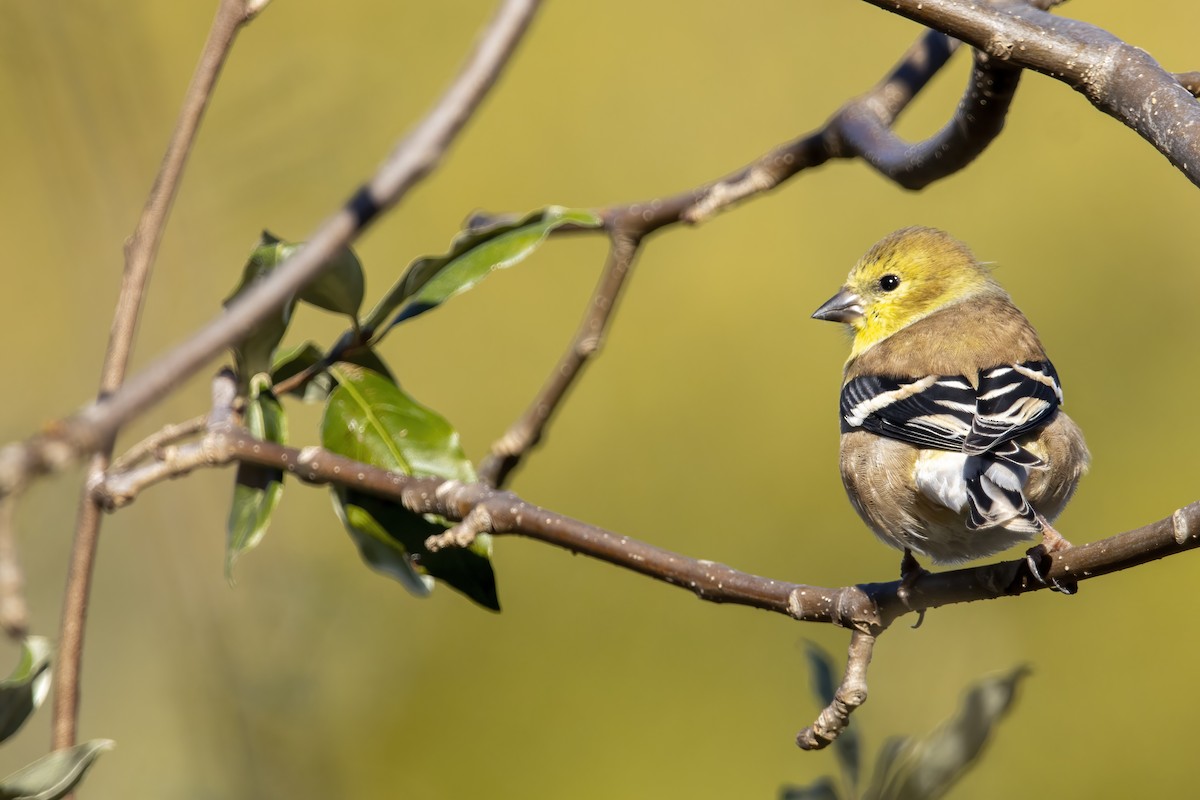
(473, 254)
(22, 692)
(257, 489)
(370, 419)
(255, 352)
(922, 769)
(53, 775)
(847, 747)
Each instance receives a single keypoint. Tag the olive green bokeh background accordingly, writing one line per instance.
(707, 425)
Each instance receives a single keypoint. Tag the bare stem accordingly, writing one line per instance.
(168, 434)
(851, 694)
(140, 253)
(882, 105)
(528, 430)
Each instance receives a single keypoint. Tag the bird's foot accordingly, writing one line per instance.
(1040, 558)
(910, 573)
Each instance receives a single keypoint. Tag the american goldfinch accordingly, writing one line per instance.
(953, 445)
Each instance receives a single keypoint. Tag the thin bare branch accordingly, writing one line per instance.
(169, 434)
(90, 428)
(883, 103)
(851, 693)
(528, 430)
(140, 253)
(14, 611)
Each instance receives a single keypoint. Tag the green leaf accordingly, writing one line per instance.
(847, 747)
(378, 548)
(317, 388)
(369, 418)
(254, 353)
(922, 769)
(365, 356)
(474, 254)
(24, 690)
(391, 539)
(295, 360)
(53, 775)
(257, 489)
(340, 285)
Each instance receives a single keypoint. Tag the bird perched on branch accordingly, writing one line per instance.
(953, 444)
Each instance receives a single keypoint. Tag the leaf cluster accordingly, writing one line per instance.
(367, 415)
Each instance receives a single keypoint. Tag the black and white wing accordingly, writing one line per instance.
(934, 411)
(1012, 400)
(946, 412)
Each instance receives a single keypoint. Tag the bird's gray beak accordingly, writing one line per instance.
(845, 306)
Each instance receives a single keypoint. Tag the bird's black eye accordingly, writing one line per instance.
(889, 282)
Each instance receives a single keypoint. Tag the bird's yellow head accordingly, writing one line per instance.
(907, 275)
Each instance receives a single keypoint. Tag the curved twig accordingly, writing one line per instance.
(1119, 79)
(851, 693)
(884, 103)
(866, 130)
(168, 434)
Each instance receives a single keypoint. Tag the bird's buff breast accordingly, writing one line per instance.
(916, 499)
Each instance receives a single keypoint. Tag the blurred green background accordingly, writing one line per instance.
(707, 425)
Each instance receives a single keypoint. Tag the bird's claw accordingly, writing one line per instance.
(1038, 559)
(910, 573)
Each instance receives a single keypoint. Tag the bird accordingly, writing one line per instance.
(953, 442)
